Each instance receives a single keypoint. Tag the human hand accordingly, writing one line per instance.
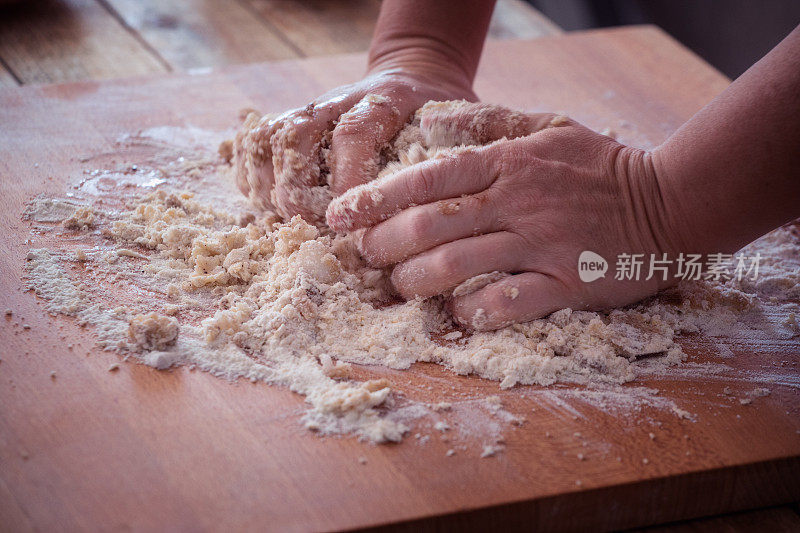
(527, 206)
(295, 162)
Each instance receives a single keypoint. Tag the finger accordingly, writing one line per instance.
(252, 158)
(358, 139)
(466, 171)
(517, 298)
(423, 227)
(447, 266)
(456, 123)
(297, 158)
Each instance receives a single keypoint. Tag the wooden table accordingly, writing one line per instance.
(143, 449)
(50, 41)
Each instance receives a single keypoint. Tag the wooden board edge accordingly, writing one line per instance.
(643, 503)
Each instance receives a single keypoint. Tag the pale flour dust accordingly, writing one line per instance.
(171, 267)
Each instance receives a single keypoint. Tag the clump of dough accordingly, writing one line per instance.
(153, 331)
(82, 218)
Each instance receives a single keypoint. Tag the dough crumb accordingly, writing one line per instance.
(441, 426)
(448, 208)
(225, 150)
(490, 450)
(442, 406)
(511, 292)
(81, 219)
(153, 331)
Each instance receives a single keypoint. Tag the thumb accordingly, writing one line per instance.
(518, 298)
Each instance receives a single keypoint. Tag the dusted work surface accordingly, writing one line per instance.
(140, 448)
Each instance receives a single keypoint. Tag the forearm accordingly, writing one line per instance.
(732, 172)
(434, 38)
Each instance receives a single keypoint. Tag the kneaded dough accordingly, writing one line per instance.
(265, 156)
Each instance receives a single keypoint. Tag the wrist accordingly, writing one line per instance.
(416, 58)
(663, 224)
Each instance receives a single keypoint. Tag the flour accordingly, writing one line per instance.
(244, 295)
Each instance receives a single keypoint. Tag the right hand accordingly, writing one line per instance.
(280, 160)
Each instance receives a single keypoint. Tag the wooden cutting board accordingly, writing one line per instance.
(144, 449)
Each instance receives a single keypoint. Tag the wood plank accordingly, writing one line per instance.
(191, 34)
(69, 40)
(7, 79)
(143, 449)
(774, 520)
(516, 19)
(322, 27)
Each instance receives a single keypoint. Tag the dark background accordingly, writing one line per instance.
(729, 34)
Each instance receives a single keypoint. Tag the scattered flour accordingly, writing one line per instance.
(288, 303)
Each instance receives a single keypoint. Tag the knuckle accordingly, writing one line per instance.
(419, 224)
(447, 264)
(495, 303)
(423, 181)
(348, 125)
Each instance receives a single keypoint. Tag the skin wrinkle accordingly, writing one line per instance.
(646, 204)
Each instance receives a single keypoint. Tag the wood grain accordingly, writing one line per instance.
(322, 27)
(66, 40)
(191, 34)
(515, 19)
(774, 520)
(180, 450)
(7, 79)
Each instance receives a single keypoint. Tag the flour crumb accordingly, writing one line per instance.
(448, 208)
(81, 218)
(162, 360)
(153, 331)
(442, 406)
(510, 292)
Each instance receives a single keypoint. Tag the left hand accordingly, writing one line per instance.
(527, 206)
